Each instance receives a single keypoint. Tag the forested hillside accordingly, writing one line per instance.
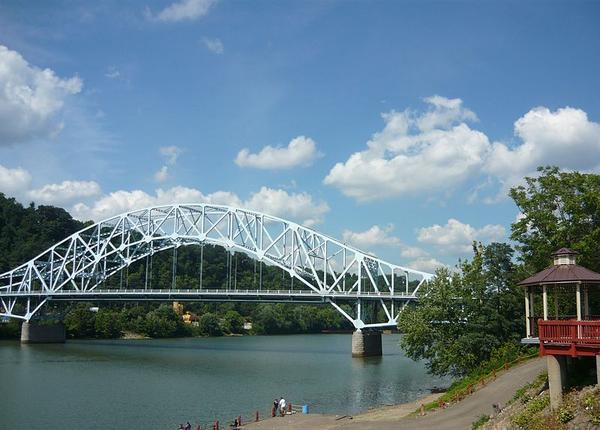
(27, 231)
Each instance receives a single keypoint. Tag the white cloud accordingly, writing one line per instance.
(437, 151)
(414, 153)
(443, 113)
(426, 264)
(456, 238)
(162, 174)
(13, 182)
(30, 99)
(214, 45)
(565, 137)
(183, 10)
(296, 206)
(112, 73)
(378, 237)
(374, 236)
(170, 153)
(301, 151)
(65, 192)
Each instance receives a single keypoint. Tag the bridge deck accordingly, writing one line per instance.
(309, 296)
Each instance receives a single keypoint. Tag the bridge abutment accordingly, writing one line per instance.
(47, 333)
(366, 343)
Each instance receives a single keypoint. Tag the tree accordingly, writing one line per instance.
(462, 317)
(558, 209)
(80, 321)
(209, 325)
(233, 322)
(108, 324)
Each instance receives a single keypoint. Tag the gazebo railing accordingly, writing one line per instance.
(569, 332)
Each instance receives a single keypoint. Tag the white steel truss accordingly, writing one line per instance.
(327, 270)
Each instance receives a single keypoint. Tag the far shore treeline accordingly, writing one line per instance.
(466, 315)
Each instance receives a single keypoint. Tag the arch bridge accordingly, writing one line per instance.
(325, 270)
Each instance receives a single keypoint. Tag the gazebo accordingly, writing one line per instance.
(565, 323)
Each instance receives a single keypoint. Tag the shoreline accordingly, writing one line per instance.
(385, 413)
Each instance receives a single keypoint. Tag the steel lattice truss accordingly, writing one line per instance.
(328, 271)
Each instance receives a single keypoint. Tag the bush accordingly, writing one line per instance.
(209, 325)
(527, 417)
(592, 406)
(480, 421)
(565, 414)
(108, 324)
(233, 322)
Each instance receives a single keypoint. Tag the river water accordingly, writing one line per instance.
(157, 384)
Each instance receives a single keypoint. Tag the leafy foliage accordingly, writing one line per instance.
(558, 209)
(462, 317)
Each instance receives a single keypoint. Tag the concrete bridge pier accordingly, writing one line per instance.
(366, 343)
(47, 333)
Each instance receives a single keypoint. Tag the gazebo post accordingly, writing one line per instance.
(578, 298)
(586, 302)
(527, 323)
(545, 298)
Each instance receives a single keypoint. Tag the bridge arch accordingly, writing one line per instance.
(329, 270)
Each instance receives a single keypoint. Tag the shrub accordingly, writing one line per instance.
(526, 418)
(480, 421)
(565, 414)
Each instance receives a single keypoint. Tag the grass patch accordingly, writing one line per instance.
(479, 422)
(530, 417)
(521, 393)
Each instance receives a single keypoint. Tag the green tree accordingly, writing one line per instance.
(80, 322)
(233, 322)
(108, 324)
(559, 209)
(462, 317)
(209, 325)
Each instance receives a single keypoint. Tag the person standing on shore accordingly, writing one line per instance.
(282, 406)
(275, 406)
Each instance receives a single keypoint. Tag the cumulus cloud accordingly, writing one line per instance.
(414, 153)
(456, 238)
(296, 206)
(374, 236)
(377, 236)
(162, 174)
(426, 264)
(183, 10)
(13, 182)
(437, 151)
(565, 137)
(214, 45)
(30, 99)
(65, 192)
(301, 151)
(170, 155)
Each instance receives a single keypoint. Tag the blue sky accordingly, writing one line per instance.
(395, 125)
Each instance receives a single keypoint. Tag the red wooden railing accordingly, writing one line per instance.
(569, 331)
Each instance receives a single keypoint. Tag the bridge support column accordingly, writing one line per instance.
(366, 343)
(35, 333)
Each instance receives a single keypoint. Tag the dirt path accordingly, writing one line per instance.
(456, 417)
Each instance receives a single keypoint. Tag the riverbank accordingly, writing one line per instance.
(459, 416)
(326, 421)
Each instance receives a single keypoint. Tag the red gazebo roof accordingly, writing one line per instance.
(561, 274)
